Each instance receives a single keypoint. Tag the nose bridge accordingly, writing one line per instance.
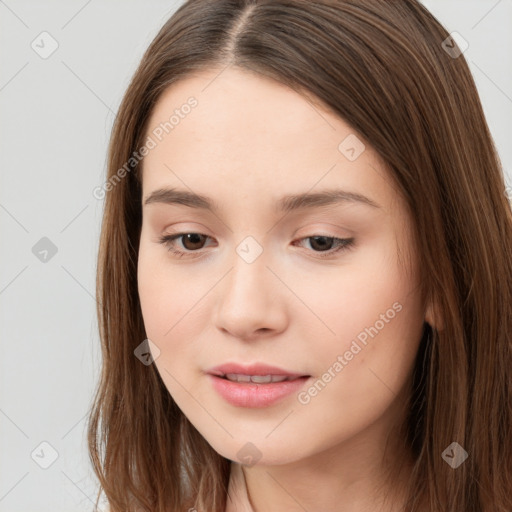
(248, 300)
(248, 277)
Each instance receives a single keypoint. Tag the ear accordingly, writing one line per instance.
(433, 316)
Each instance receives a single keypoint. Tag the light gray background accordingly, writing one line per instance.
(56, 119)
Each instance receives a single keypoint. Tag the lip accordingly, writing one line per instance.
(251, 394)
(251, 369)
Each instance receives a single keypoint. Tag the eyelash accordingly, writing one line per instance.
(343, 244)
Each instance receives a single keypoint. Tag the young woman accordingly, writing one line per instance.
(304, 277)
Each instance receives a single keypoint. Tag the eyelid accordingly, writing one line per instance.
(319, 229)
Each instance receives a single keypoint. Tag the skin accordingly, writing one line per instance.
(248, 142)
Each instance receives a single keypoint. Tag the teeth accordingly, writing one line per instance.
(238, 378)
(258, 379)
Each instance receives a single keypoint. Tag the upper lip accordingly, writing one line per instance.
(251, 369)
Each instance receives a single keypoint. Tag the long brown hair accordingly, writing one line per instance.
(384, 68)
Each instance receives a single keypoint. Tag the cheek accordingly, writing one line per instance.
(162, 299)
(367, 296)
(156, 299)
(375, 316)
(362, 369)
(173, 309)
(165, 295)
(164, 303)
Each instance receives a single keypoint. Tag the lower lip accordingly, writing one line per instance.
(251, 394)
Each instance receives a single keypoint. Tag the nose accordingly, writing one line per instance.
(250, 301)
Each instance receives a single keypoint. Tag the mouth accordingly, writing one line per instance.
(256, 391)
(259, 379)
(255, 386)
(258, 373)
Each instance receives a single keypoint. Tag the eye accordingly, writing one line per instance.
(190, 241)
(321, 241)
(323, 245)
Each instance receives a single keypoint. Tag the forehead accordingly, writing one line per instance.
(245, 114)
(251, 133)
(251, 101)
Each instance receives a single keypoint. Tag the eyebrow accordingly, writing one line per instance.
(286, 203)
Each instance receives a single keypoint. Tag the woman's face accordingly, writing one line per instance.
(318, 286)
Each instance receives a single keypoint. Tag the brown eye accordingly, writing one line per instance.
(321, 243)
(325, 246)
(192, 241)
